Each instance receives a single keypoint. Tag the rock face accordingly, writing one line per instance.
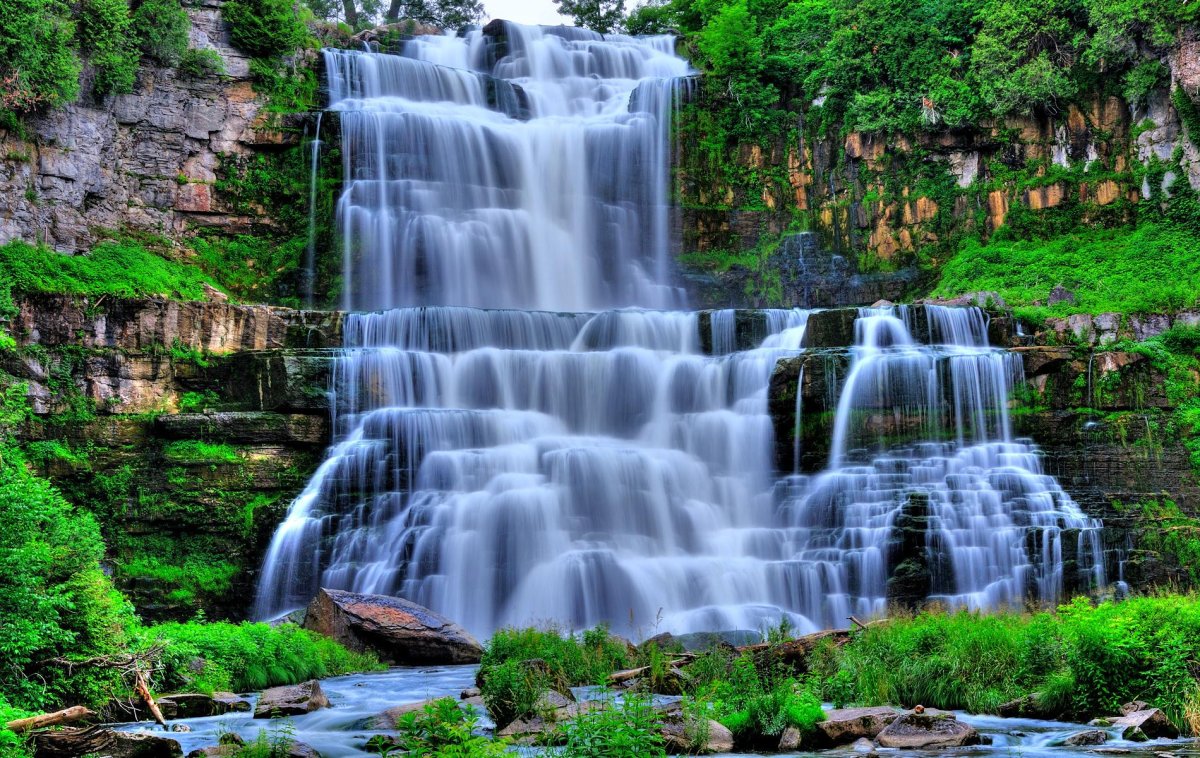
(846, 725)
(932, 729)
(145, 161)
(1088, 738)
(1151, 722)
(398, 631)
(293, 700)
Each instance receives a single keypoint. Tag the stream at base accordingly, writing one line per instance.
(338, 731)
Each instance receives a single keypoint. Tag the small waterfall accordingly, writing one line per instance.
(310, 248)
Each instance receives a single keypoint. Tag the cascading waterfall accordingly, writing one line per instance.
(580, 465)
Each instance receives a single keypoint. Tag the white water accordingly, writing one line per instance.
(523, 466)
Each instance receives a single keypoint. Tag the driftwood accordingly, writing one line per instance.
(66, 716)
(133, 667)
(143, 691)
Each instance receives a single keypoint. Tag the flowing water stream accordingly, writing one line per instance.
(527, 431)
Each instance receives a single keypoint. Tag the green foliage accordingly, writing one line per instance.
(11, 744)
(200, 63)
(444, 14)
(221, 656)
(1143, 79)
(198, 402)
(602, 16)
(38, 64)
(1172, 534)
(1022, 59)
(763, 700)
(266, 28)
(162, 28)
(1083, 660)
(511, 684)
(106, 31)
(54, 599)
(197, 451)
(273, 743)
(443, 729)
(1147, 269)
(185, 582)
(614, 730)
(116, 268)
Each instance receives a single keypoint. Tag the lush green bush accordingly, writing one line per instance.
(511, 686)
(249, 656)
(162, 28)
(266, 28)
(12, 745)
(38, 64)
(55, 602)
(199, 63)
(614, 730)
(186, 580)
(1082, 661)
(118, 269)
(197, 451)
(443, 729)
(1147, 269)
(762, 700)
(106, 30)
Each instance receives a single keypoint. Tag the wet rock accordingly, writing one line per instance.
(96, 740)
(181, 728)
(1090, 737)
(552, 701)
(196, 705)
(1029, 706)
(469, 693)
(526, 731)
(1134, 707)
(293, 700)
(398, 631)
(233, 749)
(932, 729)
(863, 746)
(386, 720)
(1100, 722)
(846, 725)
(1151, 722)
(678, 739)
(789, 740)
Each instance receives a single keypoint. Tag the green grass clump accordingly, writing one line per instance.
(249, 656)
(199, 452)
(1152, 268)
(443, 728)
(118, 269)
(615, 730)
(511, 684)
(760, 699)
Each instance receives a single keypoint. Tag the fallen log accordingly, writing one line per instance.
(143, 691)
(617, 677)
(58, 718)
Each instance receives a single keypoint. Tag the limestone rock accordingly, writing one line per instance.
(293, 700)
(1150, 721)
(846, 725)
(398, 631)
(932, 729)
(1090, 737)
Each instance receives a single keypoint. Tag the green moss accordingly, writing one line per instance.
(198, 452)
(118, 269)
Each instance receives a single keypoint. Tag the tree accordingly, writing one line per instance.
(603, 16)
(445, 14)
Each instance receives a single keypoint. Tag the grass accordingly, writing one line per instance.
(1144, 269)
(189, 579)
(199, 452)
(118, 269)
(223, 656)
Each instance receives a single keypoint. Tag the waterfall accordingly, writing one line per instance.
(525, 431)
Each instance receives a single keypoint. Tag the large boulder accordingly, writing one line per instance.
(194, 704)
(844, 726)
(678, 739)
(1151, 722)
(931, 729)
(528, 730)
(1088, 738)
(72, 742)
(294, 700)
(398, 631)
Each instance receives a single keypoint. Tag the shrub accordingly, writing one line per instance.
(443, 729)
(54, 599)
(187, 580)
(615, 730)
(107, 34)
(265, 28)
(196, 451)
(763, 702)
(249, 656)
(162, 28)
(200, 63)
(39, 67)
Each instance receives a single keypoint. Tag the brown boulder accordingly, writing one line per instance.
(846, 725)
(398, 631)
(678, 741)
(73, 742)
(932, 729)
(1151, 721)
(294, 700)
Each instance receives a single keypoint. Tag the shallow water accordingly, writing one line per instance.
(337, 731)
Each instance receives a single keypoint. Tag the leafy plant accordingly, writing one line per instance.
(106, 30)
(443, 729)
(614, 730)
(162, 28)
(199, 63)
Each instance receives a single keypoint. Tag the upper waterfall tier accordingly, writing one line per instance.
(523, 171)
